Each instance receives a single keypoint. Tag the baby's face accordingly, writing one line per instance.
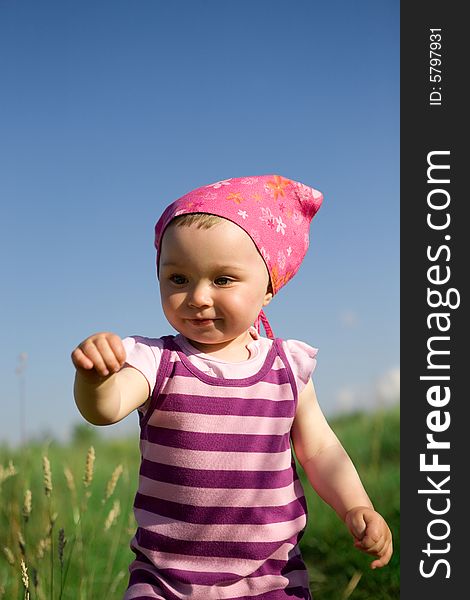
(213, 283)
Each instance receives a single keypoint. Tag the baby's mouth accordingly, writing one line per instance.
(202, 322)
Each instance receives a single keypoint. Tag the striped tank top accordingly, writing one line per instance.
(220, 508)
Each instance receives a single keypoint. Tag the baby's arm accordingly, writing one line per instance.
(333, 476)
(105, 392)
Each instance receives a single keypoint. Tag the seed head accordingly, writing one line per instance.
(62, 542)
(27, 505)
(46, 466)
(111, 485)
(113, 515)
(7, 472)
(21, 543)
(24, 575)
(90, 461)
(43, 546)
(70, 480)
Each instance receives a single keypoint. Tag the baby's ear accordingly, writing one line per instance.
(267, 298)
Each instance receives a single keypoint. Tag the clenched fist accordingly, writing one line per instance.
(101, 354)
(371, 534)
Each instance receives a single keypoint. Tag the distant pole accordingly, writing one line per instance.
(20, 371)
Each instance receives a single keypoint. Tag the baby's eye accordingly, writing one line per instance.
(223, 281)
(178, 279)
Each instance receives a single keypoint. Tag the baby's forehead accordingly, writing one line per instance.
(224, 244)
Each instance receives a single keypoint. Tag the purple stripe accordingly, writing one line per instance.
(217, 442)
(277, 376)
(143, 576)
(223, 515)
(204, 405)
(269, 567)
(206, 478)
(290, 373)
(244, 550)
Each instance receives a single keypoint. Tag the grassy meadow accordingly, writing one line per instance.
(66, 517)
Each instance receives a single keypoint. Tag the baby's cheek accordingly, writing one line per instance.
(244, 303)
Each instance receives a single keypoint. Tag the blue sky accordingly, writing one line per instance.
(112, 109)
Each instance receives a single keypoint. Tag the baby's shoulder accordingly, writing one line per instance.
(140, 343)
(144, 354)
(302, 359)
(299, 348)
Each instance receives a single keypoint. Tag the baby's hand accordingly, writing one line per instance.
(100, 354)
(371, 534)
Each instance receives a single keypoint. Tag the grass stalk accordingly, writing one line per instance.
(52, 552)
(352, 585)
(67, 565)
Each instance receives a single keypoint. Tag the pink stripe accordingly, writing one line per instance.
(193, 386)
(180, 530)
(217, 424)
(142, 590)
(213, 460)
(197, 564)
(211, 496)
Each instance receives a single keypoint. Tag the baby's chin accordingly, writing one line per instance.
(207, 340)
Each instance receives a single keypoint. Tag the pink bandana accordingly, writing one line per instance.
(274, 211)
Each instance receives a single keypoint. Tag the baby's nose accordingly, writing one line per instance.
(200, 295)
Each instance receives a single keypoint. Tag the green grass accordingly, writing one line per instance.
(95, 561)
(372, 441)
